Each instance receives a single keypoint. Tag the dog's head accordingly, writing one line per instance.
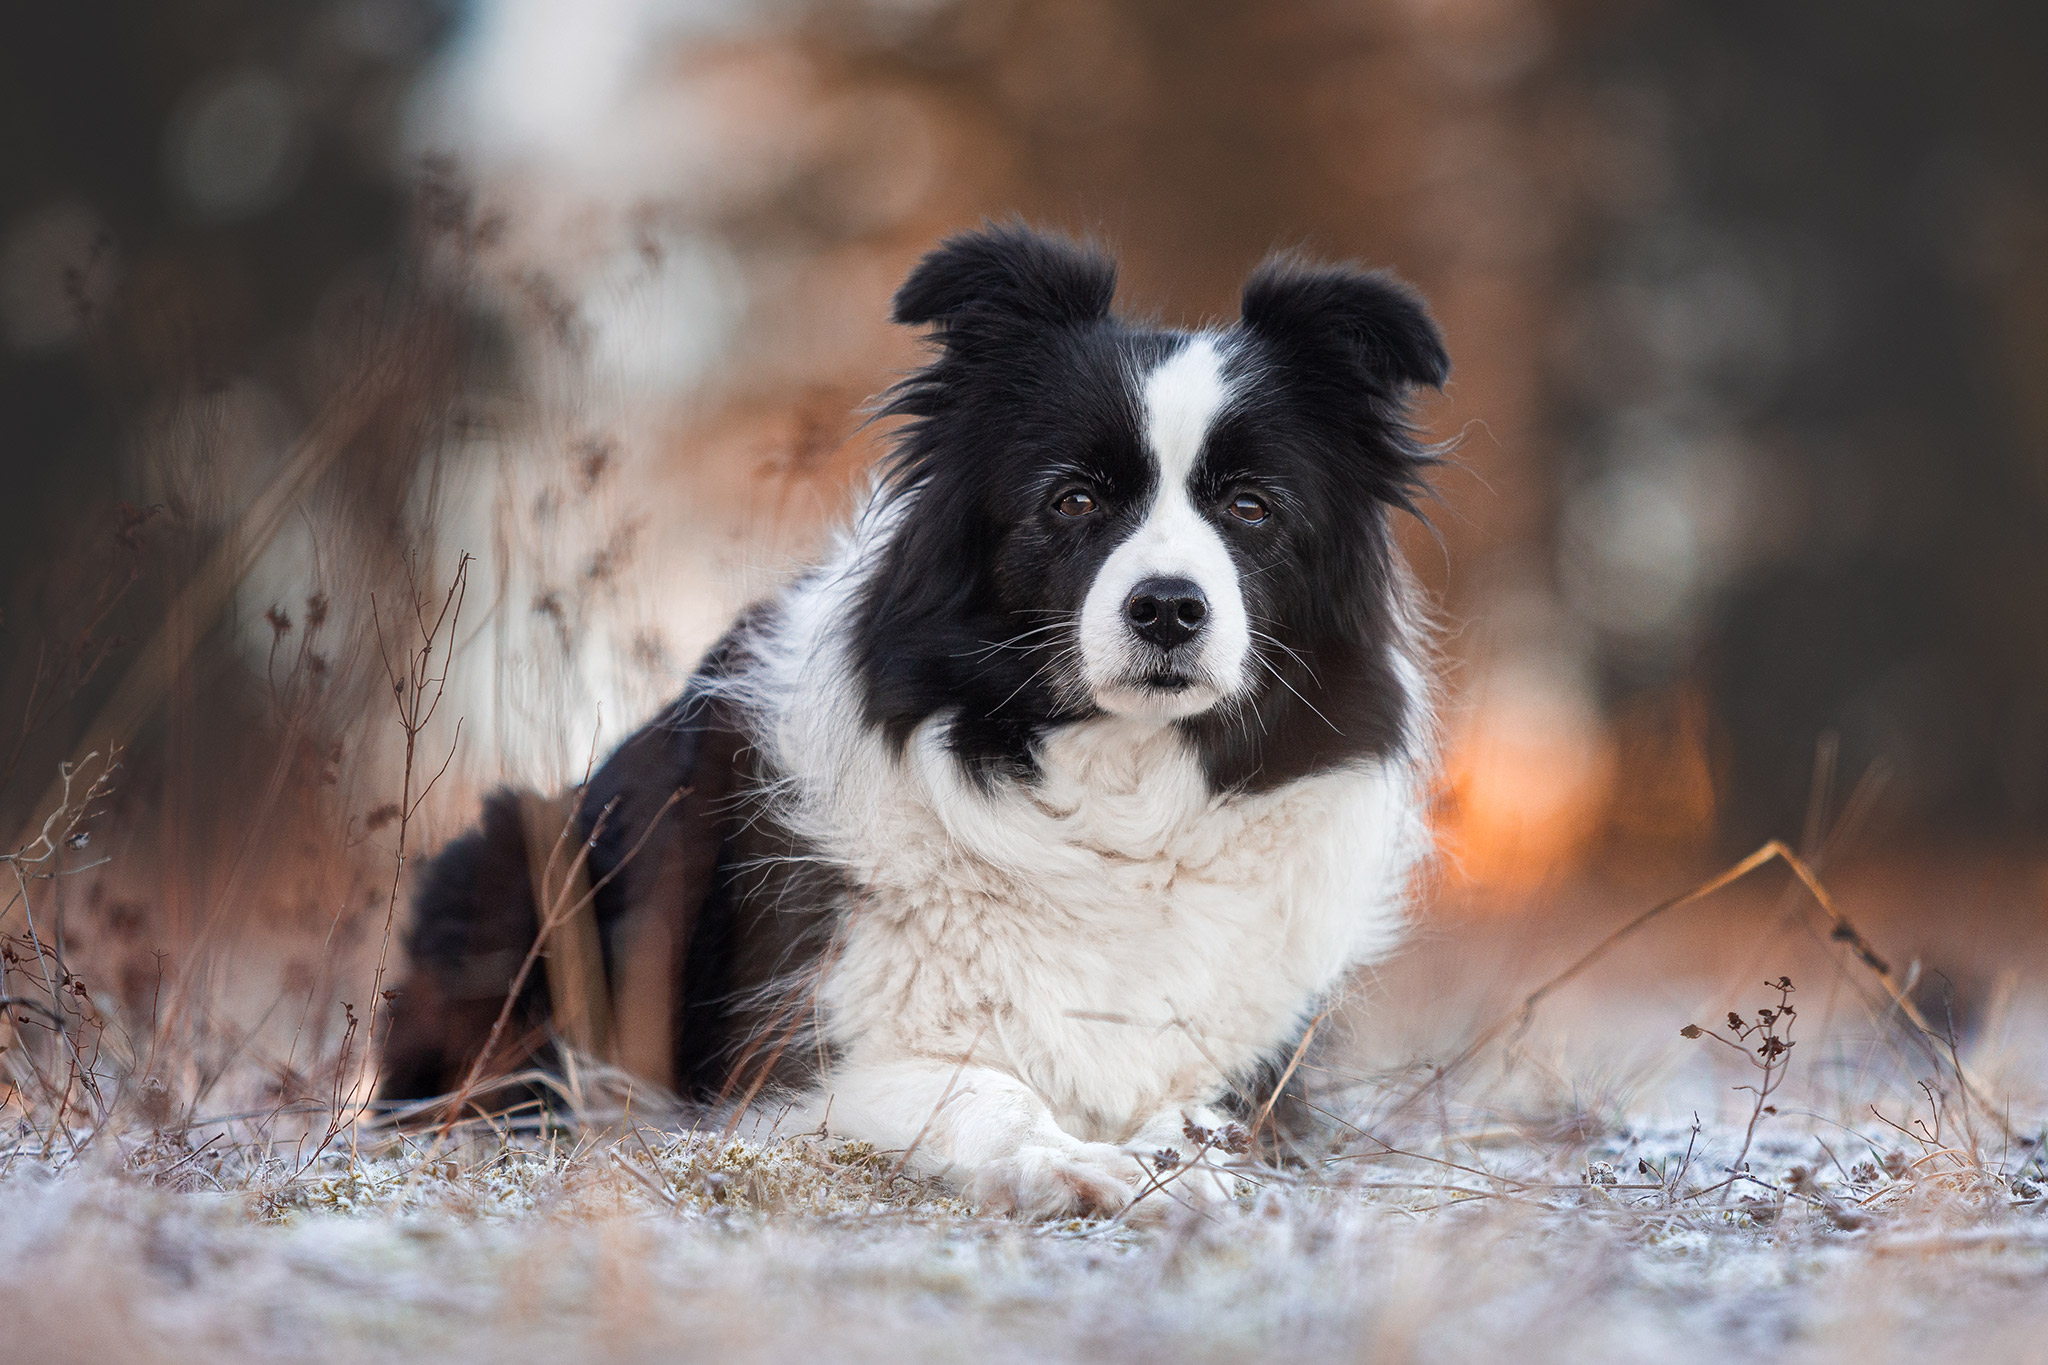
(1182, 528)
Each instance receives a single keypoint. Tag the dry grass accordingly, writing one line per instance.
(1492, 1207)
(644, 1244)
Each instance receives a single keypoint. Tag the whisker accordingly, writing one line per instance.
(1258, 634)
(1013, 642)
(1026, 683)
(1282, 678)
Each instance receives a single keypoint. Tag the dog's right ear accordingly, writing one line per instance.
(1007, 273)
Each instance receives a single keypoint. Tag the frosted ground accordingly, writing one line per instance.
(1483, 1183)
(703, 1247)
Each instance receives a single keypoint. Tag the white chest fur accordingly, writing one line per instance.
(1114, 935)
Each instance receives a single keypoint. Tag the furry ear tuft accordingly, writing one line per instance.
(1381, 318)
(1009, 272)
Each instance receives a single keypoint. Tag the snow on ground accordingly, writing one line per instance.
(653, 1246)
(1489, 1183)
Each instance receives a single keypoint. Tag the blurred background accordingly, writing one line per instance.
(301, 303)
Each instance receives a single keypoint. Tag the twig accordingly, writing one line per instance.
(945, 1098)
(1842, 931)
(413, 717)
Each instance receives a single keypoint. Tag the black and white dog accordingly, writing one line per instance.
(1034, 824)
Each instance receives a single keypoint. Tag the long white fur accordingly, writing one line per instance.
(1034, 984)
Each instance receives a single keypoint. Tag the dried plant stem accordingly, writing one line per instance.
(1763, 1047)
(945, 1098)
(1300, 1050)
(417, 691)
(1514, 1025)
(38, 859)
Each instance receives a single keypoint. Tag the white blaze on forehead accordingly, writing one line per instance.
(1182, 396)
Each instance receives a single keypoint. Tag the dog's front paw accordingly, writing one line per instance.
(1089, 1179)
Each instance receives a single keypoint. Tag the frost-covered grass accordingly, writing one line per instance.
(1420, 1242)
(1617, 1172)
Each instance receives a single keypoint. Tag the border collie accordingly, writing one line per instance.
(1028, 832)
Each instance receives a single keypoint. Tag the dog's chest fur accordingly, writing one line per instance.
(1117, 937)
(1113, 932)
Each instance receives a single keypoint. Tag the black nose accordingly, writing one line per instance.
(1167, 611)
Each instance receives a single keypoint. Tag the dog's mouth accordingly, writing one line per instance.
(1162, 688)
(1159, 693)
(1166, 680)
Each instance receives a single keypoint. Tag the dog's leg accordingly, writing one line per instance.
(983, 1130)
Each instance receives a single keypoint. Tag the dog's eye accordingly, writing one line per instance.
(1248, 509)
(1075, 502)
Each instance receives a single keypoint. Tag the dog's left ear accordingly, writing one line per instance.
(1376, 317)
